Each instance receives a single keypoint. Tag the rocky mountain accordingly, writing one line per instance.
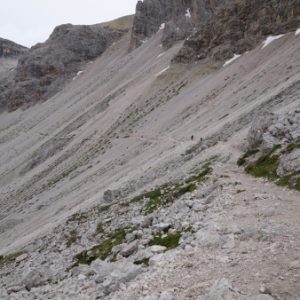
(9, 55)
(213, 28)
(46, 67)
(9, 49)
(147, 179)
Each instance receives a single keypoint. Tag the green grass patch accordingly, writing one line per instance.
(190, 187)
(291, 181)
(151, 195)
(266, 166)
(170, 241)
(169, 192)
(104, 208)
(242, 160)
(72, 238)
(100, 228)
(292, 147)
(104, 249)
(144, 261)
(4, 260)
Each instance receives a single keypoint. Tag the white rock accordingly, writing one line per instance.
(129, 249)
(21, 258)
(158, 249)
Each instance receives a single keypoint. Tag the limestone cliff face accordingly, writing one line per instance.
(44, 69)
(213, 27)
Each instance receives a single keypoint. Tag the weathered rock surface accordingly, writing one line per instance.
(213, 28)
(270, 130)
(9, 49)
(44, 69)
(9, 55)
(276, 137)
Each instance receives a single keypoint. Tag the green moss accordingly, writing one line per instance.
(242, 160)
(184, 189)
(170, 241)
(100, 228)
(169, 192)
(292, 147)
(104, 208)
(152, 195)
(103, 250)
(152, 205)
(201, 175)
(266, 166)
(144, 261)
(72, 238)
(291, 181)
(4, 260)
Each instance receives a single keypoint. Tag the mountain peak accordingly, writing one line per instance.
(10, 49)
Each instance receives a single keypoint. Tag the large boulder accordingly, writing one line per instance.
(289, 163)
(270, 130)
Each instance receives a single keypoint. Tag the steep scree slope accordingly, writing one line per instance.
(135, 162)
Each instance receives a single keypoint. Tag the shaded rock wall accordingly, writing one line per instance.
(10, 49)
(46, 67)
(213, 27)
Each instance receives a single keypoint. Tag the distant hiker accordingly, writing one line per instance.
(192, 137)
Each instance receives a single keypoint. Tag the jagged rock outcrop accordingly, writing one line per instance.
(9, 55)
(151, 14)
(213, 28)
(276, 137)
(10, 49)
(45, 68)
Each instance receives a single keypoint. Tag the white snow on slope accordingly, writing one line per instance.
(78, 74)
(162, 26)
(297, 32)
(162, 71)
(162, 54)
(188, 13)
(235, 56)
(270, 39)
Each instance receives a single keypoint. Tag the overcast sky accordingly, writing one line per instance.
(28, 22)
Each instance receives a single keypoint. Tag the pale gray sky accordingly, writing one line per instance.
(28, 22)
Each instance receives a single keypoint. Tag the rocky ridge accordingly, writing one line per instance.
(10, 49)
(213, 28)
(44, 69)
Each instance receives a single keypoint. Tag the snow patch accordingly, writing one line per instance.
(162, 71)
(162, 54)
(162, 26)
(270, 39)
(297, 32)
(235, 57)
(78, 74)
(188, 13)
